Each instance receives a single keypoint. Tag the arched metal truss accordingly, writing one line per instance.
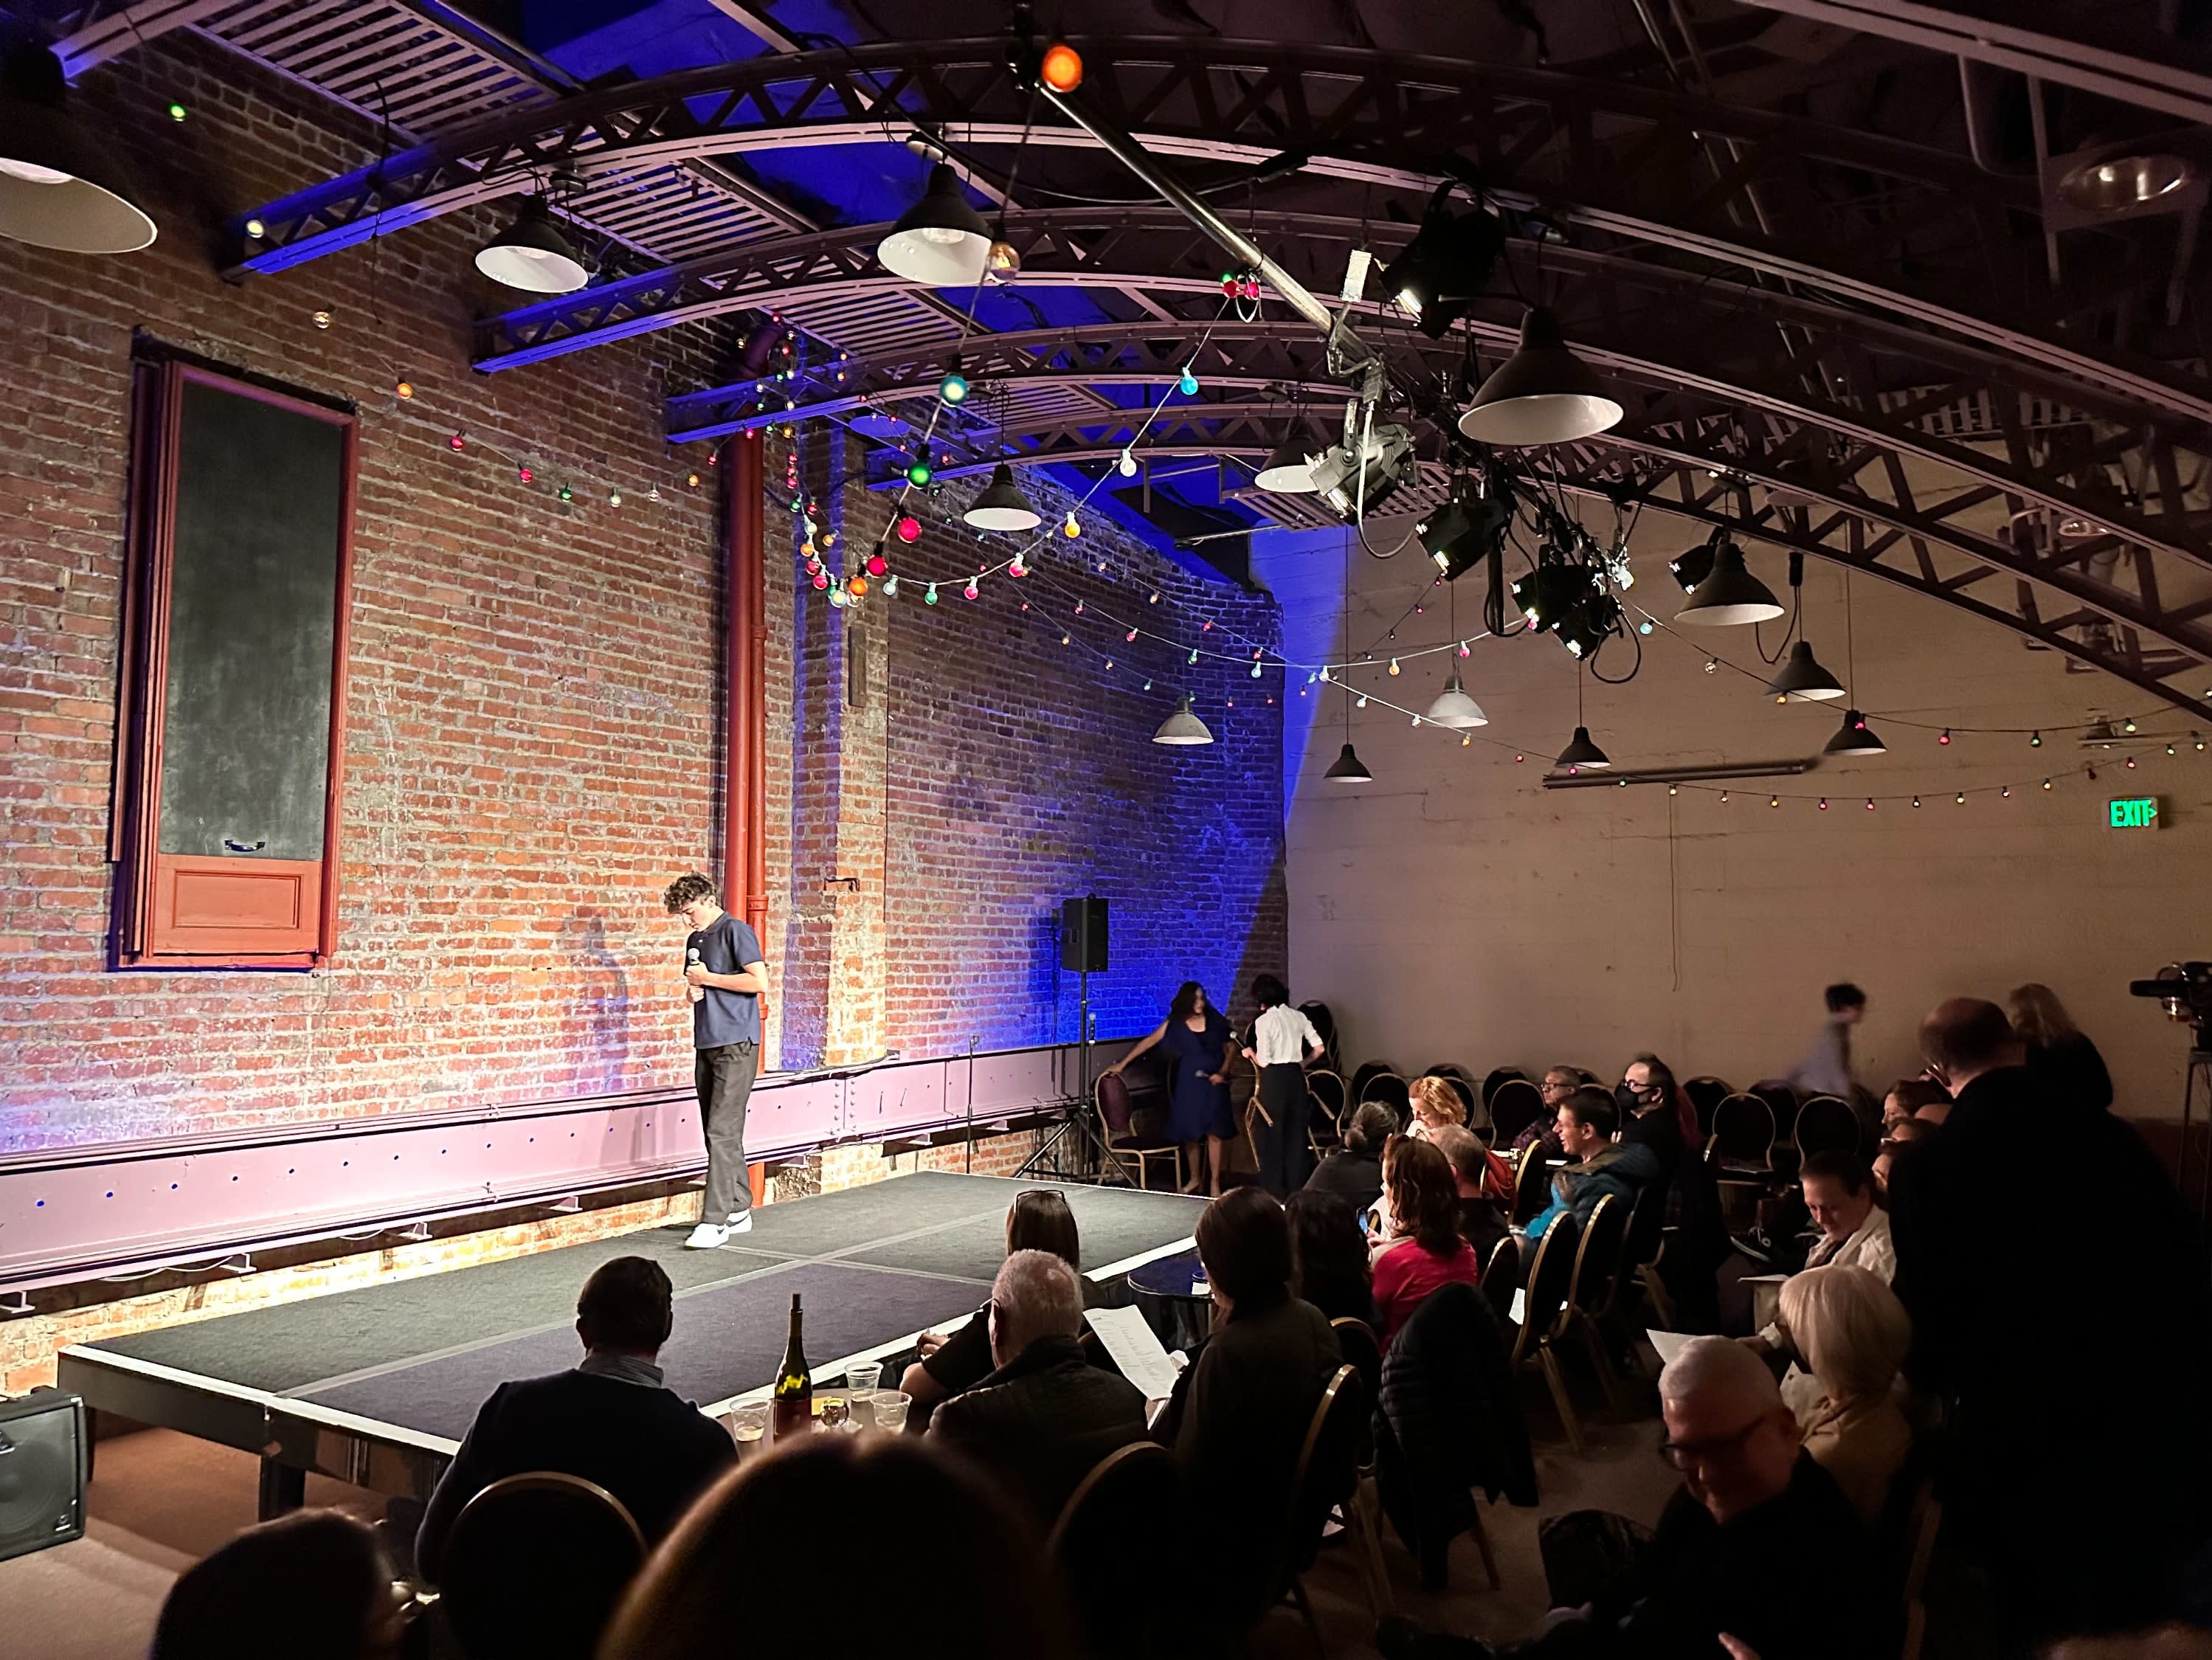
(1629, 167)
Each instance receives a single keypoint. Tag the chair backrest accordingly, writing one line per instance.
(1324, 1025)
(1705, 1093)
(1477, 1119)
(1391, 1091)
(1113, 1103)
(1532, 1183)
(1449, 1069)
(1826, 1123)
(1515, 1104)
(1130, 1494)
(1743, 1128)
(1501, 1277)
(534, 1567)
(1362, 1352)
(1544, 1289)
(1647, 1226)
(1496, 1076)
(1782, 1100)
(1369, 1070)
(1598, 1257)
(1327, 1473)
(1329, 1099)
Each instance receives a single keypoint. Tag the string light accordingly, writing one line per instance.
(565, 493)
(891, 588)
(614, 498)
(1071, 529)
(1869, 800)
(1724, 797)
(1916, 801)
(405, 388)
(1961, 798)
(2035, 740)
(1824, 803)
(256, 229)
(821, 578)
(522, 474)
(321, 319)
(908, 528)
(1394, 666)
(877, 564)
(1188, 385)
(1255, 675)
(177, 112)
(1127, 465)
(1945, 736)
(458, 441)
(918, 473)
(930, 597)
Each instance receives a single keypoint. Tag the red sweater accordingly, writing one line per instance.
(1408, 1271)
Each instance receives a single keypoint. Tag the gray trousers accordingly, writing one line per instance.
(725, 1077)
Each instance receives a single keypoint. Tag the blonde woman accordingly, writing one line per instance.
(1853, 1334)
(2059, 1055)
(1436, 1104)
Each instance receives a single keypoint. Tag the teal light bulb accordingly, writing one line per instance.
(930, 599)
(1188, 385)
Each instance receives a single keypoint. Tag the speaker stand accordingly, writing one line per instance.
(1096, 1161)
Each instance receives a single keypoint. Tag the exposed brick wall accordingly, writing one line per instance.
(534, 721)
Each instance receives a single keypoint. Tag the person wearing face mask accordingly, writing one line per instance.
(1649, 1114)
(1588, 1119)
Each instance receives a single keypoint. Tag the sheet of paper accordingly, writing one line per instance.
(1129, 1340)
(1668, 1343)
(1519, 1311)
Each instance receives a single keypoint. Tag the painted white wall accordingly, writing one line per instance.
(1455, 911)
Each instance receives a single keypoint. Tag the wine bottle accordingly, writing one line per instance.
(792, 1410)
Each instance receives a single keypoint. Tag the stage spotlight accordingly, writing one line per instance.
(1387, 464)
(1692, 568)
(1465, 531)
(1584, 627)
(60, 186)
(1548, 593)
(1447, 265)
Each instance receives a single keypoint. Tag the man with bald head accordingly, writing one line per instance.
(2052, 1335)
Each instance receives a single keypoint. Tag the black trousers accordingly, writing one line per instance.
(725, 1077)
(1285, 1158)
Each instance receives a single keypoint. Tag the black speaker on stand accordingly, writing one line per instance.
(1083, 952)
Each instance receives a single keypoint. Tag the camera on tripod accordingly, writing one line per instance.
(2185, 991)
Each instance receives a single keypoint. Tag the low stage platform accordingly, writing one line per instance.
(377, 1386)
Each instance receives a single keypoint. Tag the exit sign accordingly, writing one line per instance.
(2133, 812)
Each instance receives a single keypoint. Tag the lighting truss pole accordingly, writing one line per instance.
(1347, 349)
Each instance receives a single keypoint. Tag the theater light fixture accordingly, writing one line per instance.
(2121, 184)
(1802, 680)
(1002, 506)
(59, 185)
(1547, 594)
(1729, 594)
(1183, 727)
(1355, 484)
(532, 254)
(940, 240)
(1584, 627)
(1542, 394)
(1854, 736)
(1463, 531)
(1692, 567)
(1288, 470)
(1447, 265)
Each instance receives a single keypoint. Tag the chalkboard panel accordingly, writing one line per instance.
(256, 545)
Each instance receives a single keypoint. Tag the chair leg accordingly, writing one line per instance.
(1313, 1625)
(1482, 1544)
(1560, 1399)
(1655, 1289)
(1600, 1362)
(1367, 1536)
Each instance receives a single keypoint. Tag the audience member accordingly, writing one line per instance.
(1038, 1220)
(1758, 1544)
(1839, 1190)
(1435, 1105)
(1558, 1084)
(783, 1558)
(1482, 1221)
(1650, 1102)
(1659, 1114)
(1037, 1424)
(1588, 1119)
(1328, 1256)
(610, 1420)
(312, 1585)
(1241, 1408)
(2065, 1062)
(1354, 1171)
(2082, 1516)
(1421, 1248)
(1852, 1334)
(1908, 1097)
(1901, 1134)
(1827, 1069)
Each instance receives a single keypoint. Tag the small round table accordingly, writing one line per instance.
(1171, 1291)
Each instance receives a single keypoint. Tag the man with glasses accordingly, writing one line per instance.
(1760, 1545)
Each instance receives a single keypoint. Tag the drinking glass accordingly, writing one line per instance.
(747, 1427)
(889, 1406)
(862, 1376)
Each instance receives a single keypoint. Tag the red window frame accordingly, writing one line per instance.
(181, 911)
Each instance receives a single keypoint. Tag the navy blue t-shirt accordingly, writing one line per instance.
(725, 947)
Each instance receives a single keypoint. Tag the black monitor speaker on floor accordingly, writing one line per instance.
(42, 1471)
(1083, 935)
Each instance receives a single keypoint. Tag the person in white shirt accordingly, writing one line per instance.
(1284, 1042)
(1854, 1230)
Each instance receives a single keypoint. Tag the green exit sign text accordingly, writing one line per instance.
(2134, 812)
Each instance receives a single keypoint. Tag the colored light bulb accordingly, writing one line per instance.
(930, 597)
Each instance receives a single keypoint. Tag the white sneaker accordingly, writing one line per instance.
(740, 1224)
(707, 1237)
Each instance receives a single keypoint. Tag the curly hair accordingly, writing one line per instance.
(1424, 1198)
(1436, 1102)
(686, 891)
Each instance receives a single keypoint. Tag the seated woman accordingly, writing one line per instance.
(1853, 1334)
(1037, 1220)
(1328, 1256)
(1901, 1134)
(1354, 1171)
(1421, 1248)
(1436, 1104)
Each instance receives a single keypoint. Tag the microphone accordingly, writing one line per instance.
(698, 993)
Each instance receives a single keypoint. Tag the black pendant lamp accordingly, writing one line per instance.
(1347, 768)
(1854, 736)
(1581, 753)
(1542, 394)
(1802, 680)
(1729, 594)
(60, 186)
(1002, 506)
(531, 254)
(941, 240)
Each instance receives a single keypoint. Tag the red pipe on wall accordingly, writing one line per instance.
(744, 772)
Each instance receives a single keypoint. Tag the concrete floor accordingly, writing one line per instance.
(161, 1500)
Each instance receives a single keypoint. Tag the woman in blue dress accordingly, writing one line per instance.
(1195, 1038)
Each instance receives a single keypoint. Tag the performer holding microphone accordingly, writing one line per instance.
(725, 977)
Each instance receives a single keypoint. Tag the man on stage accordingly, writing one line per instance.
(724, 977)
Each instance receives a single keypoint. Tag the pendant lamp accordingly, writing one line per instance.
(1581, 754)
(1542, 394)
(1854, 736)
(1183, 727)
(1729, 594)
(941, 239)
(60, 187)
(532, 254)
(1002, 506)
(1348, 769)
(1802, 680)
